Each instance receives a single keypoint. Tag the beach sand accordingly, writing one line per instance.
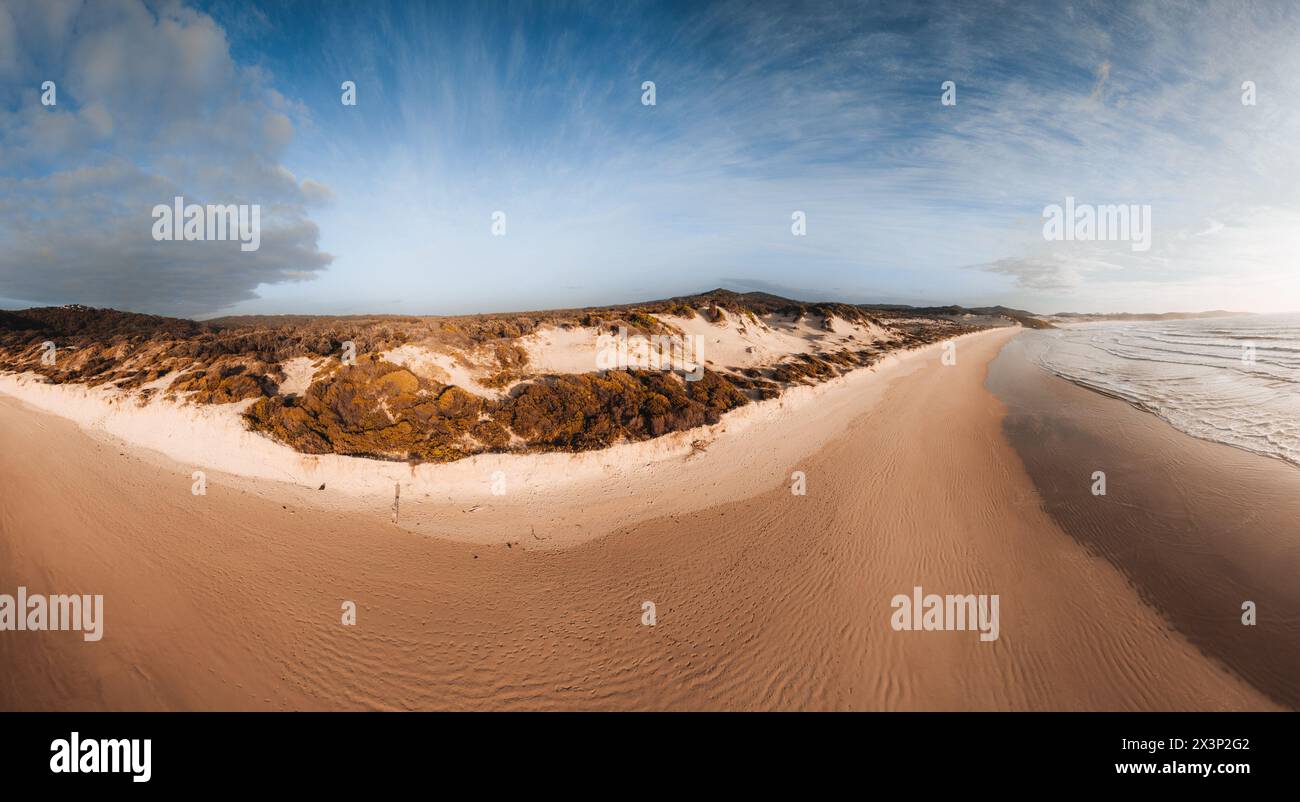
(765, 599)
(1198, 527)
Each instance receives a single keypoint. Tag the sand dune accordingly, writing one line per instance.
(765, 600)
(564, 498)
(421, 390)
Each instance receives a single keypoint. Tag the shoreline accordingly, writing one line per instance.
(1197, 527)
(771, 601)
(1201, 432)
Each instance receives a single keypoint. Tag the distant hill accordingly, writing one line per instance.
(1084, 317)
(75, 320)
(1027, 319)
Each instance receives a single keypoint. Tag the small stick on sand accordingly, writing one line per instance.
(397, 498)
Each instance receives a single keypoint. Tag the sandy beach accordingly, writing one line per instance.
(533, 599)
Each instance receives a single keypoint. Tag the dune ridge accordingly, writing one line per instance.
(441, 389)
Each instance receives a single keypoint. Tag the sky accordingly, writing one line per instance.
(535, 110)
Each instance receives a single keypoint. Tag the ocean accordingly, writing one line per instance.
(1234, 380)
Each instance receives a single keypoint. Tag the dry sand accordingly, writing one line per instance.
(764, 599)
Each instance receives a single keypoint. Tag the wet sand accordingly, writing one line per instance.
(1198, 527)
(777, 601)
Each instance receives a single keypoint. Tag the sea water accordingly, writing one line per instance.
(1234, 380)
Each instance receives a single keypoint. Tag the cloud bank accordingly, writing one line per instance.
(149, 105)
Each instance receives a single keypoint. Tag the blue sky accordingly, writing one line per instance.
(534, 109)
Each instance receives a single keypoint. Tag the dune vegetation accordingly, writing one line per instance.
(480, 392)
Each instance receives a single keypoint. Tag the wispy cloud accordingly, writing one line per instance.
(831, 108)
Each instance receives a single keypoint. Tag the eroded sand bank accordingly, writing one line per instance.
(764, 600)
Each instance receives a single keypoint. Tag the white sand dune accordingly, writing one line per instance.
(443, 367)
(738, 341)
